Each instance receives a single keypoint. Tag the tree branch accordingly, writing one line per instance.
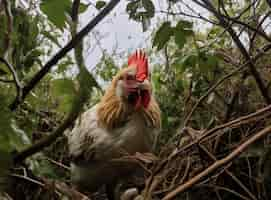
(16, 80)
(256, 30)
(46, 141)
(211, 89)
(229, 173)
(219, 163)
(258, 115)
(7, 39)
(241, 47)
(62, 52)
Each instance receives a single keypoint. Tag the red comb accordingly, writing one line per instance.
(139, 58)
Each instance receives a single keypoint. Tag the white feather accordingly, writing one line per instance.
(94, 146)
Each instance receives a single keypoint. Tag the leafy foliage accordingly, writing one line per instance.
(65, 92)
(194, 58)
(141, 11)
(63, 8)
(181, 32)
(163, 35)
(100, 4)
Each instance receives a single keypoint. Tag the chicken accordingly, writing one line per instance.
(125, 121)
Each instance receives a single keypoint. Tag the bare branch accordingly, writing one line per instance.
(256, 30)
(259, 25)
(28, 179)
(233, 72)
(229, 173)
(7, 39)
(258, 115)
(224, 189)
(219, 163)
(16, 80)
(198, 16)
(255, 73)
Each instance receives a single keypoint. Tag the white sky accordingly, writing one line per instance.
(118, 32)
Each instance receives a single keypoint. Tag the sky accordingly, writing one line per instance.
(117, 32)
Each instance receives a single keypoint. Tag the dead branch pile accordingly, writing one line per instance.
(223, 162)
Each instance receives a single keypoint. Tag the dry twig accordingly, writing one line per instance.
(218, 163)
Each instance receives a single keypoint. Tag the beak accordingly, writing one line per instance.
(141, 77)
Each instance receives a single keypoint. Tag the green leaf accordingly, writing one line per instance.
(131, 9)
(31, 58)
(6, 131)
(179, 84)
(63, 66)
(83, 7)
(5, 164)
(51, 37)
(207, 62)
(182, 30)
(180, 38)
(186, 25)
(162, 35)
(64, 92)
(2, 72)
(11, 136)
(188, 61)
(19, 139)
(149, 7)
(55, 11)
(63, 86)
(3, 69)
(141, 11)
(100, 4)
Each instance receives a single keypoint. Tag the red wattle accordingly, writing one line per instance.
(146, 98)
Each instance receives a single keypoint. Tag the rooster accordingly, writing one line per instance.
(126, 120)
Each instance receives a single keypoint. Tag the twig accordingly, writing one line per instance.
(228, 172)
(188, 15)
(28, 179)
(70, 192)
(7, 39)
(259, 26)
(259, 114)
(233, 72)
(46, 141)
(225, 189)
(17, 82)
(59, 164)
(225, 24)
(219, 163)
(256, 30)
(62, 52)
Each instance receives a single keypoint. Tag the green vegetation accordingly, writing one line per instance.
(210, 66)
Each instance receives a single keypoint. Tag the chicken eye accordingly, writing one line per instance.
(130, 77)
